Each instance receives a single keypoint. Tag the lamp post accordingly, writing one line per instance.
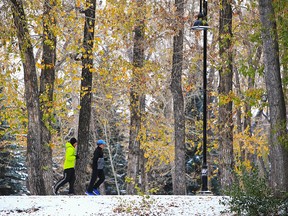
(201, 24)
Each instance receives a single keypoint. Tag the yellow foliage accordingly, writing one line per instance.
(255, 144)
(39, 65)
(156, 141)
(109, 96)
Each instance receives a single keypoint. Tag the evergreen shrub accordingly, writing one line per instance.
(251, 195)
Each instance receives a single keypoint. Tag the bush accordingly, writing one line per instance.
(250, 195)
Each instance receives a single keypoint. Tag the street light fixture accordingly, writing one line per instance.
(201, 24)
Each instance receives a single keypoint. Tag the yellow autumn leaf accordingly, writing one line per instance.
(109, 96)
(38, 65)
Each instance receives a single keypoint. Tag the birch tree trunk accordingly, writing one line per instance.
(278, 154)
(179, 181)
(36, 184)
(85, 97)
(136, 93)
(225, 123)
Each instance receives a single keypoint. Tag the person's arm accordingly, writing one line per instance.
(96, 157)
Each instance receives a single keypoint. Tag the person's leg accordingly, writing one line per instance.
(71, 181)
(61, 182)
(101, 179)
(92, 181)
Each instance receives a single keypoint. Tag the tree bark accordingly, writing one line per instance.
(144, 184)
(36, 184)
(225, 125)
(278, 154)
(136, 102)
(85, 97)
(46, 90)
(179, 181)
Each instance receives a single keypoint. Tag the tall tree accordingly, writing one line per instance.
(85, 95)
(278, 132)
(46, 89)
(137, 99)
(179, 182)
(225, 121)
(34, 148)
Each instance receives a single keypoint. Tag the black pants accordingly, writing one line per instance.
(96, 173)
(69, 176)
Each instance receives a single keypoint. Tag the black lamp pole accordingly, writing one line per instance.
(204, 165)
(201, 24)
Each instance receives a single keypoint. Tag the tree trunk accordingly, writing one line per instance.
(144, 185)
(179, 181)
(225, 125)
(136, 93)
(278, 153)
(46, 90)
(85, 97)
(34, 148)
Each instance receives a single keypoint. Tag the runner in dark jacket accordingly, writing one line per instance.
(97, 169)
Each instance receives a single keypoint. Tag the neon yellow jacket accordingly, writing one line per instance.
(70, 156)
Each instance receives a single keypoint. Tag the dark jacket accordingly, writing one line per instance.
(98, 159)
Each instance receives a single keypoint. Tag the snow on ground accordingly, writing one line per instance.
(154, 205)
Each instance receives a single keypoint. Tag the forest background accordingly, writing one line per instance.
(130, 72)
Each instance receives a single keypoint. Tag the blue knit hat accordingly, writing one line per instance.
(101, 142)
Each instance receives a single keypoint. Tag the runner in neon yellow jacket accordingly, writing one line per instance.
(69, 167)
(70, 156)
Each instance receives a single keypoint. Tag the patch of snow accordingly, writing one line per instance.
(112, 205)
